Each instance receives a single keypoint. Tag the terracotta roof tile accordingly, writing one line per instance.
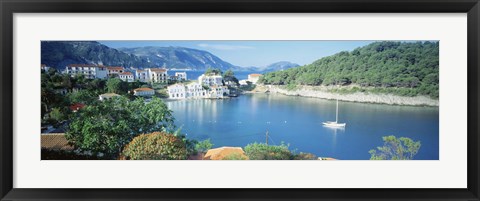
(55, 141)
(143, 89)
(115, 68)
(222, 152)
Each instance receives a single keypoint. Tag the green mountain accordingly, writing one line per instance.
(59, 54)
(404, 68)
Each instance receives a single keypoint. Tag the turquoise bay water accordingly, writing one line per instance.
(297, 121)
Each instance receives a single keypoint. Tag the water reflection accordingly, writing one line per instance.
(298, 121)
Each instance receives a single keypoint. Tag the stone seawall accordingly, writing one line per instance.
(322, 92)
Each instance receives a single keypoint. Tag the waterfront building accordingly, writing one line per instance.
(157, 75)
(218, 91)
(126, 76)
(142, 75)
(210, 80)
(176, 91)
(254, 78)
(90, 71)
(143, 92)
(107, 96)
(243, 82)
(181, 76)
(195, 90)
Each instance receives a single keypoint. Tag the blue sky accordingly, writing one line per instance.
(256, 53)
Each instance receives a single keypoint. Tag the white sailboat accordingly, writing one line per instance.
(335, 123)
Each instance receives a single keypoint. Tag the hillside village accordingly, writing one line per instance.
(211, 85)
(146, 83)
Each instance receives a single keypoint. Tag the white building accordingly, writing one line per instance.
(195, 90)
(243, 82)
(254, 78)
(176, 91)
(218, 91)
(107, 96)
(144, 92)
(181, 76)
(142, 75)
(115, 70)
(157, 75)
(90, 71)
(44, 67)
(126, 76)
(210, 80)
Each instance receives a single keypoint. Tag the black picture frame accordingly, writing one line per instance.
(10, 7)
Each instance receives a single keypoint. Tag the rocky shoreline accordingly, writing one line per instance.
(322, 92)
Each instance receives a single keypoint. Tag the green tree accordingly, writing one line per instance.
(204, 146)
(155, 146)
(213, 71)
(82, 96)
(259, 151)
(115, 85)
(57, 115)
(392, 65)
(229, 76)
(395, 149)
(105, 127)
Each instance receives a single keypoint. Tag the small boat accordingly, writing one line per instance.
(335, 123)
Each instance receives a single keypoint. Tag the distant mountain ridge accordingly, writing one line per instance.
(281, 65)
(179, 57)
(59, 54)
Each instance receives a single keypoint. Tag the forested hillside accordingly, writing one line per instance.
(409, 67)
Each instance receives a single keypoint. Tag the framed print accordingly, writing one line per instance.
(261, 100)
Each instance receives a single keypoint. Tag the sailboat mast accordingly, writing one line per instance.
(336, 118)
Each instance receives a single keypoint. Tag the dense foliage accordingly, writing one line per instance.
(155, 146)
(229, 76)
(259, 151)
(105, 127)
(413, 65)
(396, 149)
(203, 146)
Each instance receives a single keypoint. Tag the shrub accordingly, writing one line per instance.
(235, 156)
(258, 151)
(155, 146)
(394, 148)
(204, 146)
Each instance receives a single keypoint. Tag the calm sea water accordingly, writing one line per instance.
(297, 121)
(193, 75)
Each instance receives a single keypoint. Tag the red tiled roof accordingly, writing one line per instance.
(158, 69)
(77, 106)
(126, 73)
(255, 75)
(115, 68)
(143, 89)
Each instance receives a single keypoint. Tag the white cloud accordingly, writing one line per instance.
(224, 47)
